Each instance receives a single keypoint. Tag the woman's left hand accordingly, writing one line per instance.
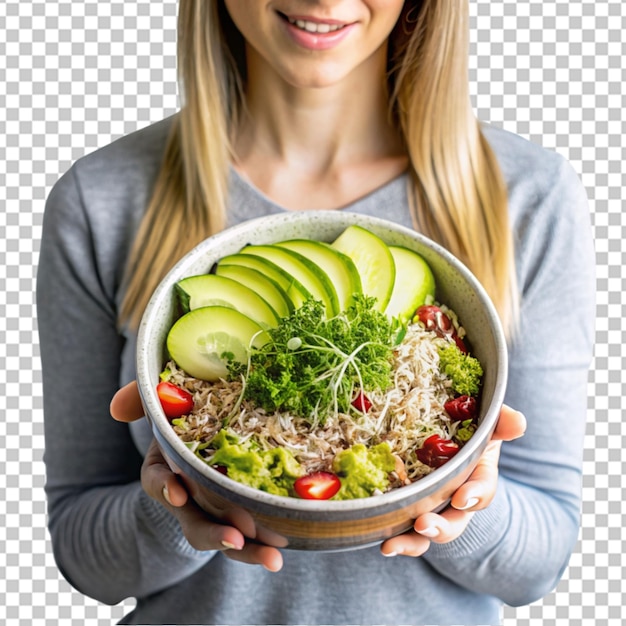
(475, 494)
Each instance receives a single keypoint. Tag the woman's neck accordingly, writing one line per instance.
(318, 147)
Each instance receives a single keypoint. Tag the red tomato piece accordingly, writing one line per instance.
(174, 400)
(461, 408)
(361, 402)
(436, 320)
(317, 486)
(460, 344)
(436, 451)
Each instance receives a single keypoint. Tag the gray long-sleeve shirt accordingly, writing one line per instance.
(112, 541)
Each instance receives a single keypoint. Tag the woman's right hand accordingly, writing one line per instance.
(161, 484)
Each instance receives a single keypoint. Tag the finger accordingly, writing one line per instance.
(475, 494)
(407, 544)
(256, 554)
(204, 534)
(443, 527)
(126, 404)
(158, 480)
(479, 490)
(511, 424)
(162, 485)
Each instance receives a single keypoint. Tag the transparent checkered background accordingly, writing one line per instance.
(75, 75)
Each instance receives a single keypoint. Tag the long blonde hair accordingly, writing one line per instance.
(458, 193)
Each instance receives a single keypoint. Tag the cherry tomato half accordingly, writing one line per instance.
(317, 486)
(461, 408)
(434, 319)
(436, 451)
(174, 400)
(361, 402)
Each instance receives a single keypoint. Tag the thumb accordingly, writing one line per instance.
(511, 425)
(126, 404)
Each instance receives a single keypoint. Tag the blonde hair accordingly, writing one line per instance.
(459, 197)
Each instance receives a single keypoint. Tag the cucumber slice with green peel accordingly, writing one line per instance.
(413, 285)
(210, 290)
(202, 341)
(296, 292)
(373, 261)
(337, 266)
(316, 282)
(269, 290)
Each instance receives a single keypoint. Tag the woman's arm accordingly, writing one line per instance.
(110, 540)
(518, 547)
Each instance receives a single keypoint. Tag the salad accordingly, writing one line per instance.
(320, 371)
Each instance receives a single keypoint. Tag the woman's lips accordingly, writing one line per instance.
(315, 34)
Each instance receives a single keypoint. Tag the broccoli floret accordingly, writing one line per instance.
(462, 369)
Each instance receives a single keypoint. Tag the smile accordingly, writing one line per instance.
(315, 27)
(316, 34)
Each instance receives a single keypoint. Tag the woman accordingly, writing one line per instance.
(293, 105)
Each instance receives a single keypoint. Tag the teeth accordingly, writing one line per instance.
(314, 27)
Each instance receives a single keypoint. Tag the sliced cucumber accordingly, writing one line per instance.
(337, 266)
(373, 260)
(413, 285)
(314, 279)
(210, 290)
(269, 290)
(296, 292)
(202, 341)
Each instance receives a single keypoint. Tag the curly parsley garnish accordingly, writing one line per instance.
(313, 366)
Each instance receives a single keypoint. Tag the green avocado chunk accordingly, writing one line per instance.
(363, 470)
(272, 471)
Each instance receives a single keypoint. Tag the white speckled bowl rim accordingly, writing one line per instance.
(324, 225)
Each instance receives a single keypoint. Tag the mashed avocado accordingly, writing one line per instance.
(272, 470)
(363, 470)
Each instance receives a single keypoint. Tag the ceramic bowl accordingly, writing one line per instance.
(324, 525)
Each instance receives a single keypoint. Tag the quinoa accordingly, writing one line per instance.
(410, 411)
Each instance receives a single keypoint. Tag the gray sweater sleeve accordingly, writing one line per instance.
(110, 540)
(518, 547)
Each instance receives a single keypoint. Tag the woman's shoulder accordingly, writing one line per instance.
(100, 200)
(522, 160)
(114, 182)
(549, 210)
(540, 182)
(131, 157)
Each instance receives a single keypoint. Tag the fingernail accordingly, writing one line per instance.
(431, 531)
(468, 505)
(390, 554)
(166, 495)
(270, 569)
(229, 546)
